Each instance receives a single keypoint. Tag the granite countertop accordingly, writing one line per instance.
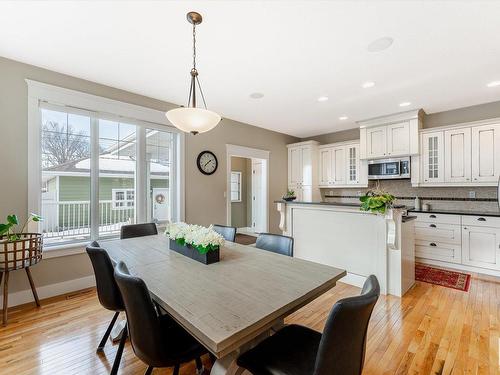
(457, 212)
(331, 203)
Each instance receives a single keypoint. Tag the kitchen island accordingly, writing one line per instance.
(340, 235)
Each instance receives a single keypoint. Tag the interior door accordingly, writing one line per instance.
(486, 153)
(257, 197)
(398, 139)
(376, 142)
(432, 157)
(457, 146)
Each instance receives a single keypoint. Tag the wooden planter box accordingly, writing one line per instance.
(25, 252)
(191, 252)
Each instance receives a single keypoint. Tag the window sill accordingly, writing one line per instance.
(64, 250)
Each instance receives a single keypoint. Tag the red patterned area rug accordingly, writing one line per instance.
(449, 279)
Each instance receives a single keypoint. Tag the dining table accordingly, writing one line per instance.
(228, 306)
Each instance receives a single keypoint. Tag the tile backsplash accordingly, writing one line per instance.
(451, 198)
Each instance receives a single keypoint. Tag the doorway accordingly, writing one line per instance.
(247, 189)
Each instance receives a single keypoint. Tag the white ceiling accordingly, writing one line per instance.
(443, 55)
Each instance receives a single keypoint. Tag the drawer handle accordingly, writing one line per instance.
(432, 216)
(481, 219)
(433, 225)
(433, 244)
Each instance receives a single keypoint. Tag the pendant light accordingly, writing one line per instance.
(191, 119)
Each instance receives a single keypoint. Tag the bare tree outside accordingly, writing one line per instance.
(61, 144)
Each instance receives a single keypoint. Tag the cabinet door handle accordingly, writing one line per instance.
(433, 225)
(481, 219)
(432, 216)
(432, 244)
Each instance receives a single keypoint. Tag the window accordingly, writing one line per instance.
(93, 171)
(123, 199)
(235, 186)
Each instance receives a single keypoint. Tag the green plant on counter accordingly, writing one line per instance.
(7, 229)
(289, 194)
(376, 201)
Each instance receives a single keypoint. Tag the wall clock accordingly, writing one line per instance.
(207, 162)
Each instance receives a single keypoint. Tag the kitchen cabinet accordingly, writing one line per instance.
(340, 166)
(433, 157)
(457, 146)
(376, 142)
(398, 139)
(485, 153)
(481, 246)
(303, 170)
(391, 136)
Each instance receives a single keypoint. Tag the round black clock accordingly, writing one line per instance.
(207, 162)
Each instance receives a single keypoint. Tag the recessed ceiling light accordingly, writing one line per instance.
(322, 98)
(368, 84)
(380, 44)
(256, 95)
(493, 84)
(343, 118)
(404, 104)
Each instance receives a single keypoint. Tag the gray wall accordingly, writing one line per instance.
(205, 201)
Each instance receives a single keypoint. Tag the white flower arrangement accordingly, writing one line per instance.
(201, 238)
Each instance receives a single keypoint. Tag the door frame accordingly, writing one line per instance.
(250, 153)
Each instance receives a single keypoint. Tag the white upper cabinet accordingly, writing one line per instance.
(457, 146)
(391, 136)
(398, 139)
(376, 142)
(433, 157)
(486, 153)
(325, 166)
(303, 170)
(340, 166)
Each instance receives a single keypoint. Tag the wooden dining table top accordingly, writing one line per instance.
(225, 304)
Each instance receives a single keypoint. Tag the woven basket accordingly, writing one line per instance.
(22, 253)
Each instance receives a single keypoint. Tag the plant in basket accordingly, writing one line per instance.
(289, 196)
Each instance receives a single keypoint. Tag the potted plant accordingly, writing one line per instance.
(376, 201)
(18, 250)
(289, 196)
(194, 241)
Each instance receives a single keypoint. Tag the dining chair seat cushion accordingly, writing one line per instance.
(178, 343)
(292, 351)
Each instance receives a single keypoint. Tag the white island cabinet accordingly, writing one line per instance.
(362, 243)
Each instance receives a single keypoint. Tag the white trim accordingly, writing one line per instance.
(250, 153)
(396, 117)
(51, 290)
(495, 120)
(45, 95)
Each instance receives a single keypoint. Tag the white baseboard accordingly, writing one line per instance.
(353, 279)
(52, 290)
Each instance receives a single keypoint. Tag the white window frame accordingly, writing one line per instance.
(101, 107)
(238, 173)
(125, 200)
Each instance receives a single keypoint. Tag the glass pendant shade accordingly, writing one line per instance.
(193, 120)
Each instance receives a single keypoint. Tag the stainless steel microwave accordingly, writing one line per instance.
(389, 168)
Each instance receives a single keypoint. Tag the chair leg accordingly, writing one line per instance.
(5, 297)
(108, 331)
(149, 370)
(32, 284)
(119, 352)
(176, 370)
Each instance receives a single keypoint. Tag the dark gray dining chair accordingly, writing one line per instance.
(138, 230)
(157, 340)
(109, 295)
(229, 233)
(298, 350)
(276, 243)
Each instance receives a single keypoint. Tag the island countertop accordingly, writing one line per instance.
(341, 204)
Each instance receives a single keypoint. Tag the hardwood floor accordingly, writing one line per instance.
(432, 330)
